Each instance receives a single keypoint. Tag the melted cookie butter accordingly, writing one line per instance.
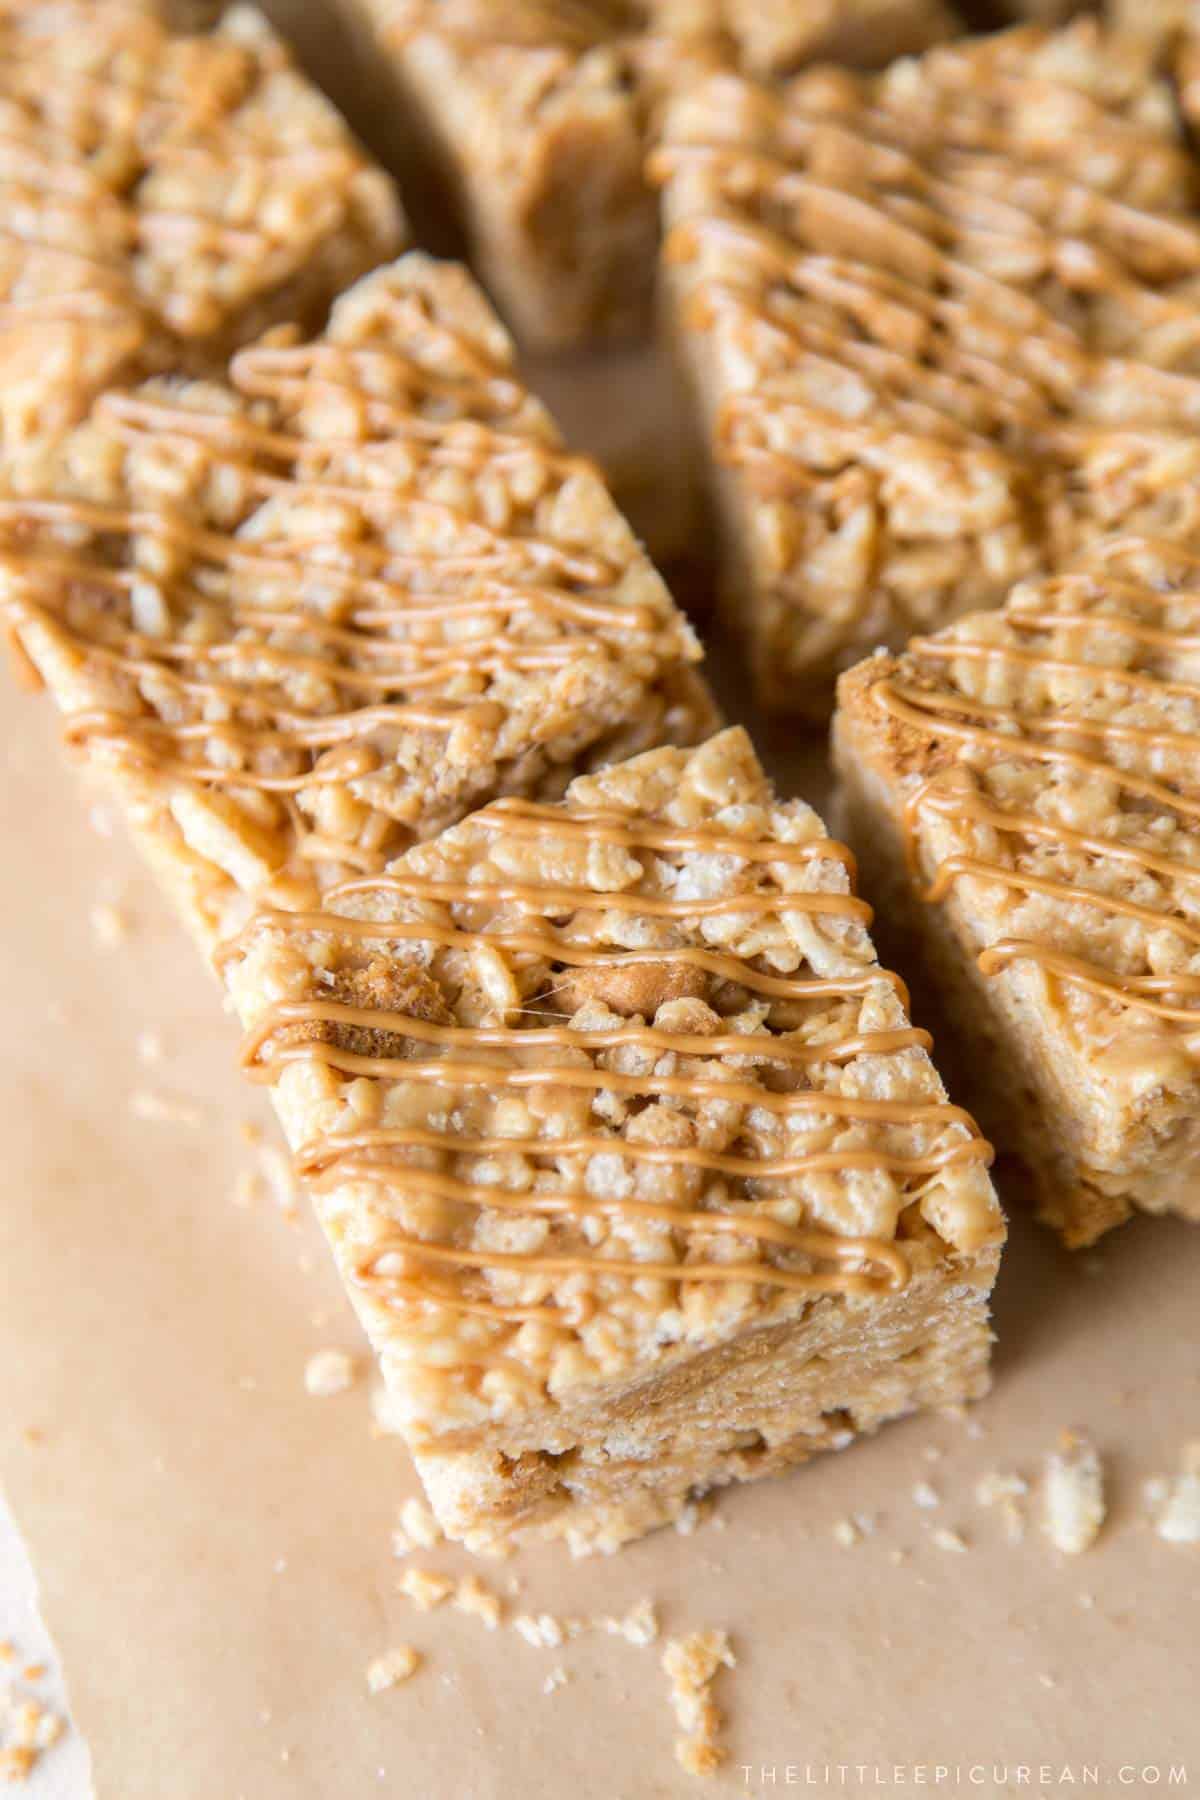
(219, 707)
(864, 226)
(989, 733)
(86, 140)
(447, 1057)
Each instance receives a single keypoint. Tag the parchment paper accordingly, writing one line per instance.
(213, 1543)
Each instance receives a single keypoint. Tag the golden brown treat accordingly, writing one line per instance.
(774, 37)
(164, 199)
(1023, 791)
(330, 605)
(538, 115)
(675, 1197)
(942, 326)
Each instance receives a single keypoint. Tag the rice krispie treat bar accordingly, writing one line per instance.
(1024, 788)
(638, 1173)
(164, 199)
(775, 37)
(942, 327)
(538, 114)
(306, 615)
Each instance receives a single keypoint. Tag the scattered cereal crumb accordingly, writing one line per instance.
(149, 1047)
(329, 1372)
(472, 1596)
(925, 1494)
(639, 1626)
(946, 1539)
(27, 1728)
(162, 1109)
(1087, 1601)
(542, 1630)
(692, 1663)
(393, 1667)
(1005, 1490)
(417, 1529)
(556, 1679)
(250, 1131)
(846, 1533)
(897, 1556)
(1179, 1519)
(1073, 1495)
(8, 1650)
(1047, 1681)
(425, 1588)
(110, 927)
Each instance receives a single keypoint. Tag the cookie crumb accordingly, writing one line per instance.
(110, 927)
(692, 1663)
(472, 1596)
(418, 1529)
(949, 1540)
(425, 1588)
(1179, 1520)
(1073, 1495)
(542, 1630)
(162, 1109)
(925, 1494)
(329, 1372)
(1005, 1491)
(556, 1679)
(639, 1625)
(393, 1667)
(846, 1533)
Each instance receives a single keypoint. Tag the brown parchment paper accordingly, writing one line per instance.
(213, 1543)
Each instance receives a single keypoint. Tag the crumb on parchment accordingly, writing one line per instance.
(693, 1663)
(329, 1372)
(425, 1588)
(393, 1667)
(1073, 1495)
(28, 1728)
(417, 1530)
(1178, 1520)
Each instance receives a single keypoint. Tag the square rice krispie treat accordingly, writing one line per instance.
(327, 606)
(537, 116)
(942, 326)
(1024, 791)
(638, 1173)
(164, 199)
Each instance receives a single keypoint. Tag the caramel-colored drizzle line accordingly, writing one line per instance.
(203, 231)
(941, 715)
(345, 1156)
(494, 560)
(968, 377)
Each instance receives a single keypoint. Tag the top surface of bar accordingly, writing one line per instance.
(335, 602)
(951, 314)
(158, 192)
(1049, 757)
(582, 1081)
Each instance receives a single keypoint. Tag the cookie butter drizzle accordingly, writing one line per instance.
(1007, 733)
(235, 732)
(60, 168)
(371, 1154)
(914, 304)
